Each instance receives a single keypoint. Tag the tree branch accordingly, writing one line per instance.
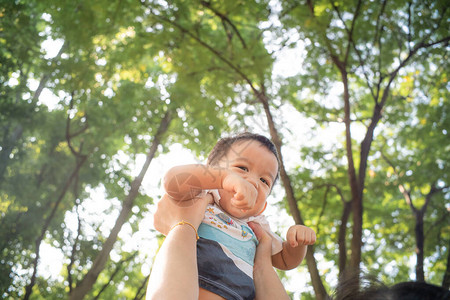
(141, 291)
(409, 25)
(75, 243)
(74, 250)
(68, 135)
(406, 193)
(226, 20)
(336, 187)
(45, 77)
(310, 6)
(361, 60)
(324, 204)
(349, 31)
(116, 271)
(210, 48)
(47, 222)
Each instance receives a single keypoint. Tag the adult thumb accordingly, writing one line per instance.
(262, 236)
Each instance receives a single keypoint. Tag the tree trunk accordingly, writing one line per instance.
(418, 229)
(319, 289)
(8, 146)
(446, 279)
(420, 276)
(342, 238)
(39, 240)
(88, 281)
(356, 200)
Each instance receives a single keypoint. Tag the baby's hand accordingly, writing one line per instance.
(244, 193)
(300, 235)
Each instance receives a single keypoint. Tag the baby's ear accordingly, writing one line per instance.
(265, 206)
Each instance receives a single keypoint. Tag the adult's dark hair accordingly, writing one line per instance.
(222, 147)
(370, 288)
(362, 287)
(413, 290)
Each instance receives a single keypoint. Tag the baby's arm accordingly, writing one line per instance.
(187, 182)
(294, 250)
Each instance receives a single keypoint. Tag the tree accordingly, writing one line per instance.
(421, 178)
(366, 47)
(237, 66)
(103, 109)
(122, 70)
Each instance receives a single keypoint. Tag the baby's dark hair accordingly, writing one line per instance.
(224, 144)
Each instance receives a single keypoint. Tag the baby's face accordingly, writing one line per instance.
(255, 163)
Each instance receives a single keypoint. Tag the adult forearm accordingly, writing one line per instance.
(174, 273)
(267, 284)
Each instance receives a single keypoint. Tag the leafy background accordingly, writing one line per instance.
(98, 98)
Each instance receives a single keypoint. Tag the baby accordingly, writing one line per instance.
(238, 177)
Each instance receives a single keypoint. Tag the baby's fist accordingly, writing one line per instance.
(300, 235)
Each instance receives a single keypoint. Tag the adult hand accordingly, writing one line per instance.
(267, 284)
(169, 212)
(263, 256)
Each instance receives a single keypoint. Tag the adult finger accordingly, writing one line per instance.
(264, 239)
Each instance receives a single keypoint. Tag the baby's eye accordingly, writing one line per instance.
(265, 181)
(243, 168)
